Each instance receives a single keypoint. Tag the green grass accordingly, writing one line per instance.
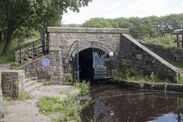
(167, 40)
(49, 104)
(15, 45)
(10, 58)
(83, 87)
(67, 108)
(180, 80)
(177, 64)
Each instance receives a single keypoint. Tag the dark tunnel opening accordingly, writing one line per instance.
(86, 64)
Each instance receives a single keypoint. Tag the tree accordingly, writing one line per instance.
(15, 14)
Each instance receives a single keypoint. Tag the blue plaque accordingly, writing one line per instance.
(45, 62)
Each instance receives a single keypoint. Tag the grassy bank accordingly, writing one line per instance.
(66, 108)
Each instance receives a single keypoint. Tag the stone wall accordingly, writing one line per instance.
(123, 46)
(10, 82)
(140, 57)
(53, 71)
(63, 38)
(175, 54)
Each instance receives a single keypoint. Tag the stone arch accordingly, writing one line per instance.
(92, 44)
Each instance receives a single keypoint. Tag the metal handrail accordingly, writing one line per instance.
(30, 47)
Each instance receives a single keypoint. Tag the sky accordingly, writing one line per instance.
(123, 8)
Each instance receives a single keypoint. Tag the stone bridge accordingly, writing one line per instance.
(125, 49)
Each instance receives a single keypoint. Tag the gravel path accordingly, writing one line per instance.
(27, 111)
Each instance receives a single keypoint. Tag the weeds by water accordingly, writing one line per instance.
(180, 80)
(83, 87)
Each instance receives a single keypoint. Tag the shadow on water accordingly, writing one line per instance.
(116, 104)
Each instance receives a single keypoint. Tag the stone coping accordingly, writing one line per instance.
(87, 30)
(160, 86)
(151, 53)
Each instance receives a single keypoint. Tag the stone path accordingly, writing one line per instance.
(27, 111)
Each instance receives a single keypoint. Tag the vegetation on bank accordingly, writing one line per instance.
(67, 108)
(166, 40)
(83, 87)
(131, 74)
(177, 64)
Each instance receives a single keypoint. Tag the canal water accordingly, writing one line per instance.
(112, 103)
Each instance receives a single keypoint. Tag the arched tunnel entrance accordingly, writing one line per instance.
(94, 64)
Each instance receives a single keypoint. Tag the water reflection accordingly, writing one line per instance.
(116, 104)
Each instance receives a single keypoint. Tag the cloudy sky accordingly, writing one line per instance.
(123, 8)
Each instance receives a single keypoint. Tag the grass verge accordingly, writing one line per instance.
(67, 108)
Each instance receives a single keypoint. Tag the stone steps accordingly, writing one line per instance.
(29, 84)
(33, 87)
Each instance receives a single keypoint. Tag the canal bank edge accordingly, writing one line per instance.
(160, 86)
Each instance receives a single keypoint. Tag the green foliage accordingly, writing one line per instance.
(67, 77)
(49, 104)
(151, 78)
(19, 16)
(141, 27)
(166, 40)
(177, 64)
(83, 87)
(129, 74)
(180, 80)
(66, 108)
(9, 58)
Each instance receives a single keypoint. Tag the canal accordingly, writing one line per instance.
(112, 103)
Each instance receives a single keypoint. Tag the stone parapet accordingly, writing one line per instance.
(87, 30)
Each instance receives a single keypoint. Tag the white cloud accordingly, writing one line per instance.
(123, 8)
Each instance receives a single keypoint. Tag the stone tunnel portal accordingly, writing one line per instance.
(93, 64)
